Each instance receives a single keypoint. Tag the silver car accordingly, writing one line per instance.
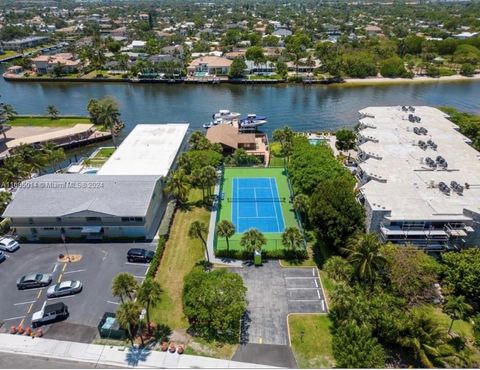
(34, 281)
(64, 288)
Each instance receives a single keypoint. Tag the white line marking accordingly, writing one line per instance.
(323, 305)
(313, 271)
(137, 264)
(316, 284)
(55, 268)
(274, 204)
(303, 300)
(113, 302)
(302, 288)
(318, 293)
(14, 318)
(72, 272)
(19, 304)
(298, 277)
(256, 204)
(139, 277)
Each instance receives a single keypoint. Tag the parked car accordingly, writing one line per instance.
(9, 244)
(50, 313)
(140, 255)
(64, 288)
(34, 281)
(2, 257)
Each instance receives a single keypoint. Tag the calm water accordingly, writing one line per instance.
(304, 108)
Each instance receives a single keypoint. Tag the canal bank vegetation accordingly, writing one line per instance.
(468, 123)
(47, 121)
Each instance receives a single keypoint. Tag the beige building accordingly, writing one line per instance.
(47, 63)
(211, 65)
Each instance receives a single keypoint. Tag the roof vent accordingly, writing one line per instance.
(444, 188)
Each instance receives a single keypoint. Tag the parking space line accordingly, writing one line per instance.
(64, 267)
(113, 302)
(19, 304)
(39, 293)
(137, 264)
(299, 277)
(318, 293)
(73, 272)
(302, 288)
(139, 277)
(55, 268)
(13, 318)
(62, 297)
(303, 300)
(313, 271)
(316, 284)
(30, 308)
(323, 305)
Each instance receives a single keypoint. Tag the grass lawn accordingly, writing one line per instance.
(461, 327)
(180, 256)
(101, 157)
(276, 161)
(226, 207)
(8, 54)
(314, 350)
(45, 121)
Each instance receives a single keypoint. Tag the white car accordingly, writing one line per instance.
(64, 288)
(9, 244)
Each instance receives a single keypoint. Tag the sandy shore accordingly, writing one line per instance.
(419, 79)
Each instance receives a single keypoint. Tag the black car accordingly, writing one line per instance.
(139, 255)
(50, 313)
(2, 257)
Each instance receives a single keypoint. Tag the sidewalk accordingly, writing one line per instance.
(110, 355)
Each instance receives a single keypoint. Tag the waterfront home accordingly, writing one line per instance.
(123, 200)
(418, 178)
(24, 43)
(261, 69)
(305, 65)
(230, 139)
(47, 63)
(136, 45)
(209, 65)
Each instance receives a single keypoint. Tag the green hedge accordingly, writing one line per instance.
(152, 270)
(167, 219)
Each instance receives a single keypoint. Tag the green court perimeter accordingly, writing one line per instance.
(225, 210)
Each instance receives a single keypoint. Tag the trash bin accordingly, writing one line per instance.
(257, 258)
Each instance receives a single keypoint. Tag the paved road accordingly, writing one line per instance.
(14, 361)
(99, 264)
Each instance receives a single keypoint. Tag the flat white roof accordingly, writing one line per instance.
(150, 149)
(402, 182)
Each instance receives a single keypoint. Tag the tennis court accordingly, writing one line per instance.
(256, 204)
(256, 198)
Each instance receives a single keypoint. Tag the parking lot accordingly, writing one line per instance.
(97, 267)
(273, 293)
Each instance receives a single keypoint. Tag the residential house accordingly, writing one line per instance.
(230, 139)
(282, 33)
(373, 30)
(211, 65)
(262, 69)
(47, 63)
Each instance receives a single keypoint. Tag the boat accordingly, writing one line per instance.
(215, 122)
(226, 115)
(252, 121)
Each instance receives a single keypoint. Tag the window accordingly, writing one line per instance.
(30, 221)
(59, 219)
(48, 228)
(140, 219)
(75, 228)
(93, 219)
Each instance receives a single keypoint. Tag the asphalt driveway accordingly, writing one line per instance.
(99, 264)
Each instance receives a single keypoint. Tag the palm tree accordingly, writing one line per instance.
(128, 315)
(52, 154)
(456, 308)
(52, 111)
(292, 239)
(197, 178)
(209, 176)
(301, 203)
(5, 198)
(124, 284)
(108, 115)
(198, 230)
(363, 251)
(424, 335)
(253, 240)
(9, 111)
(149, 295)
(178, 185)
(31, 157)
(13, 171)
(226, 230)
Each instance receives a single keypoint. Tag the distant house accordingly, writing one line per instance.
(212, 65)
(47, 63)
(137, 45)
(230, 139)
(27, 42)
(174, 50)
(119, 32)
(235, 54)
(373, 30)
(262, 69)
(304, 66)
(465, 35)
(282, 33)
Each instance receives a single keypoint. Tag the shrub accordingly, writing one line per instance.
(152, 270)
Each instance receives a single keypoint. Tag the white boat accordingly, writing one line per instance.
(226, 115)
(252, 121)
(216, 121)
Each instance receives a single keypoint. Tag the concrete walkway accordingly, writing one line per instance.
(110, 355)
(211, 236)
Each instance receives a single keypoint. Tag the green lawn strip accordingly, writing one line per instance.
(180, 256)
(276, 162)
(460, 327)
(225, 211)
(313, 349)
(45, 121)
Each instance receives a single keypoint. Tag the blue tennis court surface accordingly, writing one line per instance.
(256, 204)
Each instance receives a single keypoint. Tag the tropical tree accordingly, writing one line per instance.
(5, 198)
(301, 204)
(31, 157)
(124, 285)
(198, 141)
(339, 269)
(149, 294)
(13, 171)
(199, 230)
(9, 111)
(292, 239)
(424, 335)
(52, 154)
(285, 137)
(226, 230)
(456, 308)
(253, 240)
(128, 315)
(52, 111)
(209, 178)
(363, 251)
(196, 178)
(105, 112)
(178, 185)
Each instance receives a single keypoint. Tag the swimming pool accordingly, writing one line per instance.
(317, 141)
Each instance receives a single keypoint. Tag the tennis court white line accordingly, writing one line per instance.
(281, 211)
(274, 205)
(256, 203)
